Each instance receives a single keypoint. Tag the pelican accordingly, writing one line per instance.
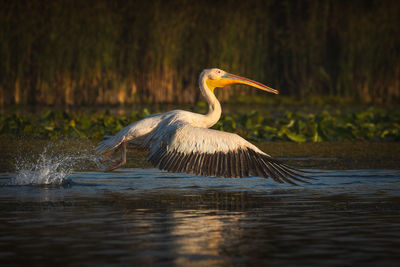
(181, 141)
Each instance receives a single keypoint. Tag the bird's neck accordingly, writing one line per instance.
(214, 107)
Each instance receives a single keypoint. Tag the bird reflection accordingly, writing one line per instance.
(194, 229)
(200, 234)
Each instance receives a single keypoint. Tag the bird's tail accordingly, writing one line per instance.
(109, 144)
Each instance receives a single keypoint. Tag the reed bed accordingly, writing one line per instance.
(70, 52)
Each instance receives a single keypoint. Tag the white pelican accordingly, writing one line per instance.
(181, 141)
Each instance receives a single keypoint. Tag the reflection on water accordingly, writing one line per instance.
(144, 216)
(200, 235)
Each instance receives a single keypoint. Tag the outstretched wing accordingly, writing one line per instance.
(180, 147)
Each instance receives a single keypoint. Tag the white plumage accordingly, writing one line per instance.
(180, 141)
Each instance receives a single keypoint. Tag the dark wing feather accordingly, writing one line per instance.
(215, 153)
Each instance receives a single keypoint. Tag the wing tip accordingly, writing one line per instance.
(279, 171)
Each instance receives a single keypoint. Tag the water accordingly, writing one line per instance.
(54, 212)
(53, 165)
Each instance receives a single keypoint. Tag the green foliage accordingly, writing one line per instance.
(372, 124)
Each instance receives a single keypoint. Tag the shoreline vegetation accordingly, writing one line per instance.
(69, 52)
(263, 124)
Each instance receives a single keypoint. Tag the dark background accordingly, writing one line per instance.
(114, 52)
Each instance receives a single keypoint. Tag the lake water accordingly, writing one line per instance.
(54, 212)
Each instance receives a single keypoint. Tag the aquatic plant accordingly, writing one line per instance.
(300, 125)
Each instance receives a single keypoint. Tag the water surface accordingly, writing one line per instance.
(144, 216)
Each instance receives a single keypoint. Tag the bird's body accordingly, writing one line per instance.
(181, 141)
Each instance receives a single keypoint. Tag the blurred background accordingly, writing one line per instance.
(121, 52)
(88, 68)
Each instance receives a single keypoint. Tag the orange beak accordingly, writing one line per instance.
(228, 79)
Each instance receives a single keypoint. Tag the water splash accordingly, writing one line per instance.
(53, 166)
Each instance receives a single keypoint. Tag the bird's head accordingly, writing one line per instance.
(219, 78)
